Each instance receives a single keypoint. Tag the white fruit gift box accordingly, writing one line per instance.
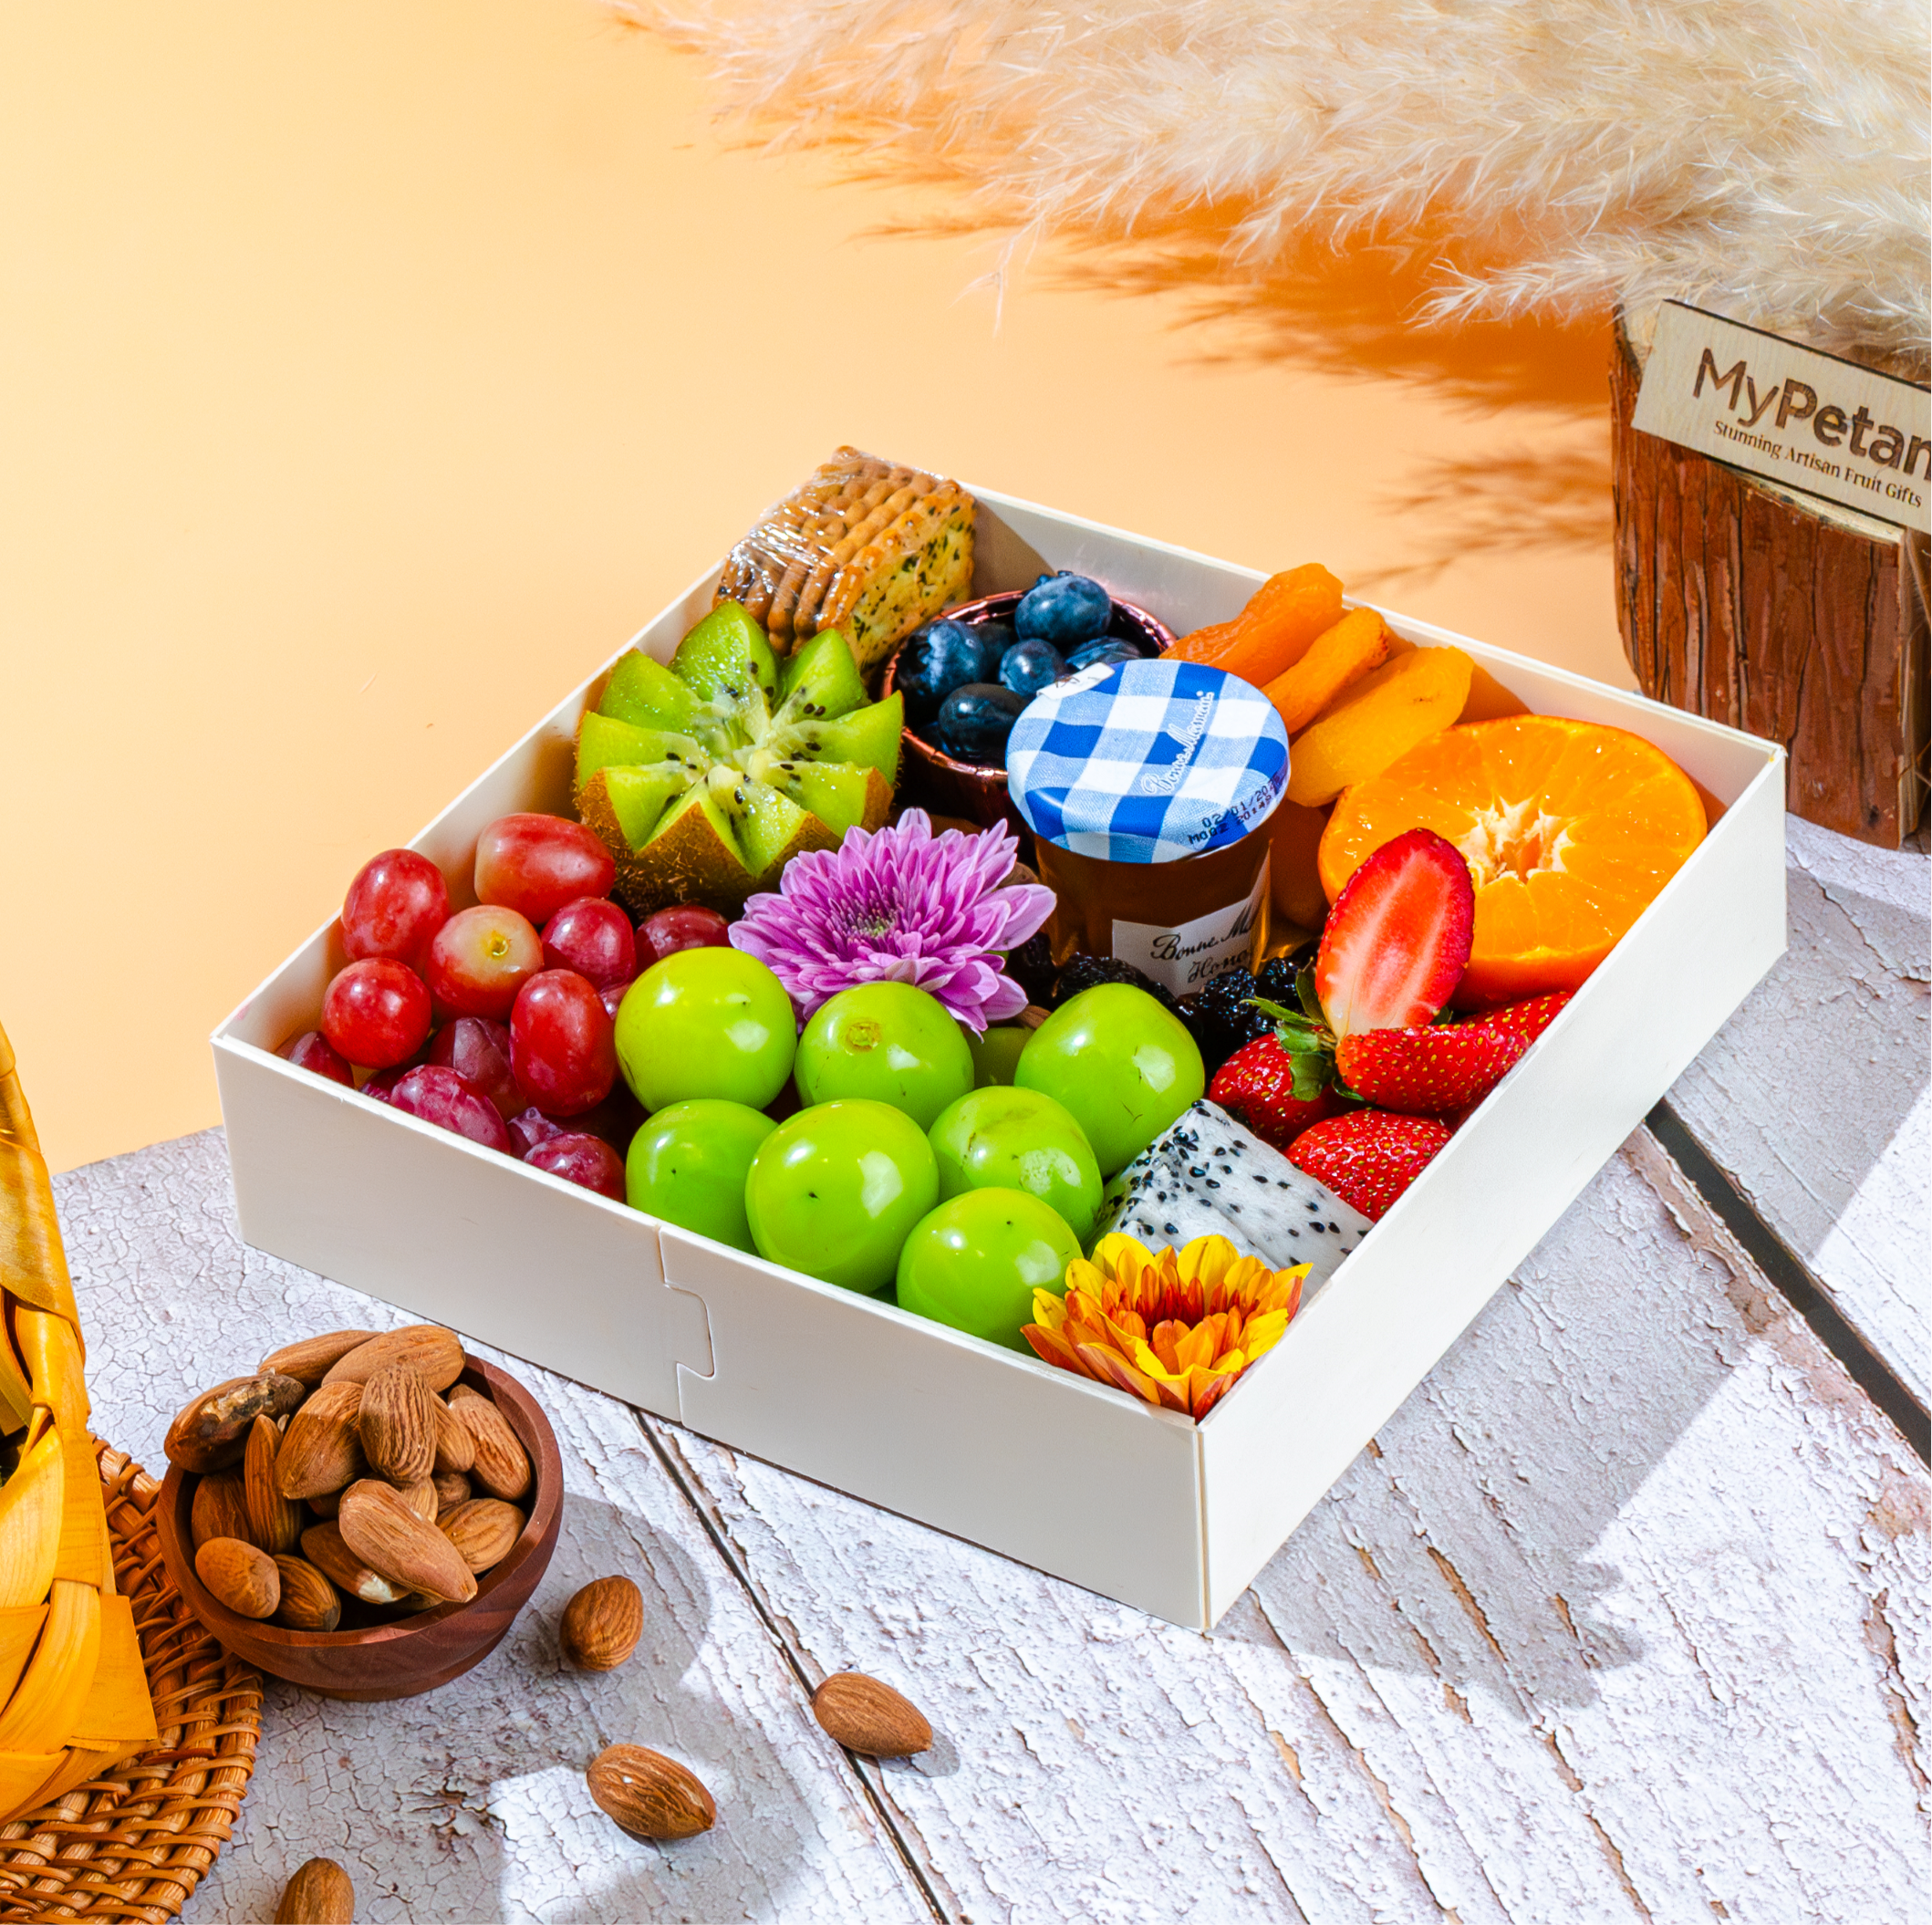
(74, 1697)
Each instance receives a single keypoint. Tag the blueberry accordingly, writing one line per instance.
(1106, 649)
(975, 721)
(1065, 609)
(941, 657)
(1028, 667)
(997, 635)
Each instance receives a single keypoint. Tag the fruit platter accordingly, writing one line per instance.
(1045, 1032)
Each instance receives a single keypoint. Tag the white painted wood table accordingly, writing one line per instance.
(1623, 1617)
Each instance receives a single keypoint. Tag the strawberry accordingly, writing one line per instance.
(1256, 1086)
(1430, 1071)
(1527, 1020)
(1398, 939)
(1368, 1158)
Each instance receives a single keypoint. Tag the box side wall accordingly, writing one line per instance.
(1278, 1442)
(1001, 1449)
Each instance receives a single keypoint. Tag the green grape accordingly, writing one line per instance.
(689, 1163)
(1019, 1139)
(995, 1055)
(1124, 1066)
(706, 1022)
(888, 1042)
(834, 1190)
(977, 1260)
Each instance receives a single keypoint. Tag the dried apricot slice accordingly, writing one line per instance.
(1383, 717)
(1570, 830)
(1276, 628)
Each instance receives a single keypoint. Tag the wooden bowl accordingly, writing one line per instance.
(405, 1656)
(933, 780)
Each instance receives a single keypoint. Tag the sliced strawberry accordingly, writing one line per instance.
(1527, 1020)
(1398, 939)
(1256, 1086)
(1368, 1158)
(1430, 1071)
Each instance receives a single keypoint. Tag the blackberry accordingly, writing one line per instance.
(1088, 971)
(1032, 967)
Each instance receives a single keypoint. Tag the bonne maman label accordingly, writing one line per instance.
(1807, 421)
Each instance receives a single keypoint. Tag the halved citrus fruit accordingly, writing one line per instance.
(1570, 830)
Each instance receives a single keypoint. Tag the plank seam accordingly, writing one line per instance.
(882, 1809)
(1787, 1273)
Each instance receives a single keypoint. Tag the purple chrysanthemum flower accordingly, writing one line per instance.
(899, 905)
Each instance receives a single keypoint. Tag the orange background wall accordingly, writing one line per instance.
(369, 370)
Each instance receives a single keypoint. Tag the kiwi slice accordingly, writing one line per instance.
(706, 776)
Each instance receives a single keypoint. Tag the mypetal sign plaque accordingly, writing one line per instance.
(1807, 421)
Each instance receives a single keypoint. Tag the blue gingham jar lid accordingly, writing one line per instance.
(1146, 761)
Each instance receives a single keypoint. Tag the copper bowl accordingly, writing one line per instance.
(404, 1656)
(931, 779)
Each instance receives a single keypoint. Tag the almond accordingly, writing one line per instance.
(421, 1497)
(275, 1522)
(602, 1624)
(455, 1447)
(483, 1530)
(503, 1465)
(309, 1601)
(211, 1432)
(649, 1794)
(309, 1361)
(219, 1508)
(239, 1575)
(453, 1488)
(865, 1716)
(322, 1450)
(320, 1893)
(322, 1544)
(396, 1543)
(429, 1351)
(397, 1424)
(325, 1503)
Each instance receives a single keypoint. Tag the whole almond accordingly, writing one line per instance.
(421, 1497)
(649, 1794)
(325, 1503)
(602, 1624)
(219, 1508)
(320, 1893)
(503, 1465)
(453, 1488)
(239, 1575)
(275, 1522)
(397, 1423)
(483, 1530)
(309, 1361)
(455, 1447)
(211, 1432)
(396, 1543)
(322, 1544)
(322, 1448)
(309, 1601)
(865, 1716)
(429, 1351)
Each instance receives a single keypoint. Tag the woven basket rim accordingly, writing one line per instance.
(134, 1843)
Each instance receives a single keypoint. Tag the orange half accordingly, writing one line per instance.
(1570, 830)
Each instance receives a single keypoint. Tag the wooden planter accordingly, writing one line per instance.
(1786, 616)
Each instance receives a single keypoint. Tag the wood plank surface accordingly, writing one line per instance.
(470, 1803)
(1815, 1097)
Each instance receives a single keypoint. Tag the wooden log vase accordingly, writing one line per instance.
(1786, 616)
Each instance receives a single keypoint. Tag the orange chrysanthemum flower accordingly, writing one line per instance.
(1176, 1327)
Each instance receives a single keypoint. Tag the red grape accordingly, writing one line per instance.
(478, 1050)
(312, 1051)
(440, 1096)
(396, 904)
(382, 1084)
(580, 1159)
(688, 926)
(613, 996)
(536, 864)
(562, 1046)
(376, 1013)
(594, 938)
(531, 1127)
(480, 959)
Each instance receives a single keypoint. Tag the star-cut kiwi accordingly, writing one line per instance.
(706, 777)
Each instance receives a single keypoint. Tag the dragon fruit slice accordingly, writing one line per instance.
(1209, 1176)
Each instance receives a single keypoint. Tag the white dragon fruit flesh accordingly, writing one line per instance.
(1209, 1176)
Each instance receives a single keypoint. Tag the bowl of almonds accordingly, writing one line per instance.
(365, 1514)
